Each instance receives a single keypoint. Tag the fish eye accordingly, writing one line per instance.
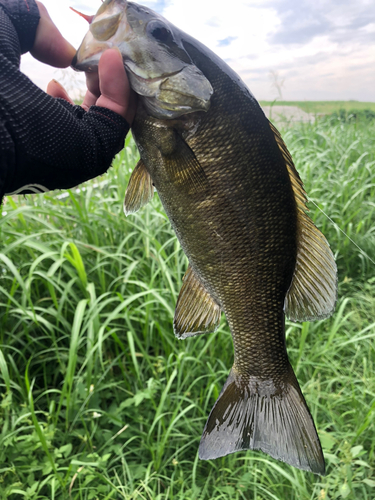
(159, 31)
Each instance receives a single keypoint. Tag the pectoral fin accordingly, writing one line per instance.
(313, 291)
(140, 189)
(184, 168)
(196, 311)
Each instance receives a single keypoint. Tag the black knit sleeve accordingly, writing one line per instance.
(24, 16)
(46, 143)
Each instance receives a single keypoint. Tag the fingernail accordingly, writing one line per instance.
(57, 83)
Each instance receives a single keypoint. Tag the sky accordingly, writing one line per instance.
(289, 49)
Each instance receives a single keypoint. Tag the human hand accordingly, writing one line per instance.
(50, 47)
(109, 87)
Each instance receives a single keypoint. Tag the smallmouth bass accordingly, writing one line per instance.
(237, 204)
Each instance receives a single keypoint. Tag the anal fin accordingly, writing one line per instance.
(257, 414)
(140, 189)
(196, 311)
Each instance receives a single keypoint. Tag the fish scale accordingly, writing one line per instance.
(237, 205)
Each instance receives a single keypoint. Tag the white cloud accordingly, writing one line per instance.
(334, 60)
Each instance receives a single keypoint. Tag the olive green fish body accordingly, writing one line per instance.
(238, 228)
(237, 204)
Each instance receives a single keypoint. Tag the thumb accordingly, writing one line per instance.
(56, 90)
(50, 47)
(114, 85)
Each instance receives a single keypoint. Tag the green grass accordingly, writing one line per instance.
(100, 401)
(325, 107)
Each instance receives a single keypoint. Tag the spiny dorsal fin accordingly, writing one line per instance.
(140, 189)
(313, 291)
(196, 311)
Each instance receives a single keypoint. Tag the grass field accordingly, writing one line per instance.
(325, 107)
(100, 401)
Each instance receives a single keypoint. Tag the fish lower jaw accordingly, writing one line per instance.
(145, 78)
(89, 64)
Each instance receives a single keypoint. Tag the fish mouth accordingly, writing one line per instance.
(89, 65)
(169, 86)
(107, 28)
(88, 55)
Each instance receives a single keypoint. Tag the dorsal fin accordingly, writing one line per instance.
(313, 291)
(196, 311)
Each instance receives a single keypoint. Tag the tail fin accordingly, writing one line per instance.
(257, 414)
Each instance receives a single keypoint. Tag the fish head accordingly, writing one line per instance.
(158, 67)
